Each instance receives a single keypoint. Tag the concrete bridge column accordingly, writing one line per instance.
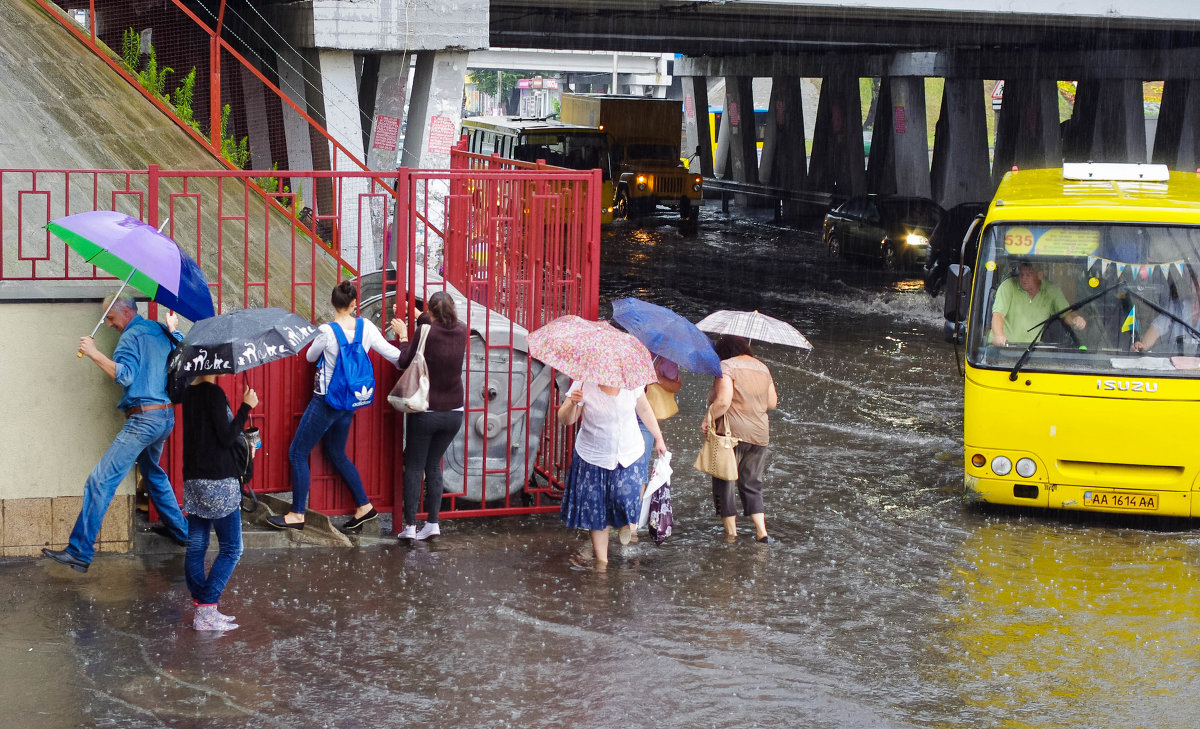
(295, 129)
(1177, 138)
(960, 145)
(435, 111)
(836, 166)
(383, 147)
(739, 112)
(696, 127)
(343, 122)
(254, 96)
(1027, 132)
(1108, 123)
(899, 162)
(784, 160)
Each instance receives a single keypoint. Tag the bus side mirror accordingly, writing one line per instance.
(699, 149)
(955, 305)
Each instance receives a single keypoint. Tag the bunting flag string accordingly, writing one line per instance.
(1147, 272)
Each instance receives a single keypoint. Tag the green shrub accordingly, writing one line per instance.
(181, 100)
(237, 152)
(131, 47)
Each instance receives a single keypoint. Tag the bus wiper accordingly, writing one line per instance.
(1041, 327)
(1161, 310)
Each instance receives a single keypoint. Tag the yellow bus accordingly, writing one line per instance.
(1082, 373)
(553, 142)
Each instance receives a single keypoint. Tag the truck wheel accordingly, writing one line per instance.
(621, 210)
(687, 211)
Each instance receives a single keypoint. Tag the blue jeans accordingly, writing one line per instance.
(331, 427)
(207, 590)
(141, 442)
(427, 436)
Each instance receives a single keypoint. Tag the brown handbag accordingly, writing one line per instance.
(716, 457)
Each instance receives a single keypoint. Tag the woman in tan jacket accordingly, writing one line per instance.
(742, 396)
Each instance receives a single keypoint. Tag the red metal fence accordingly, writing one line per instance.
(516, 247)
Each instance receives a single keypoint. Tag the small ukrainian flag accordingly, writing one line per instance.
(1130, 323)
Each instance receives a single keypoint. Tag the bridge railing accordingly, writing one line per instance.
(517, 248)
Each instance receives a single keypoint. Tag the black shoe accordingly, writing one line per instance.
(766, 540)
(356, 522)
(280, 523)
(165, 531)
(65, 557)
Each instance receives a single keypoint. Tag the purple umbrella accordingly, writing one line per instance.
(145, 258)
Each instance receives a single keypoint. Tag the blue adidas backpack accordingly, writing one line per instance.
(352, 384)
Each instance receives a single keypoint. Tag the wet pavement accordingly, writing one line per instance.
(885, 603)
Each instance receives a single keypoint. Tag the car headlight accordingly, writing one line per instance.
(1001, 466)
(916, 239)
(1026, 467)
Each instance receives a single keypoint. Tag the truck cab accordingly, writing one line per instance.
(644, 137)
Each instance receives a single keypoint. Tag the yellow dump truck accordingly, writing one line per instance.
(644, 142)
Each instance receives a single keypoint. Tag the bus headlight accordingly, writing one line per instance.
(697, 184)
(1026, 467)
(1001, 466)
(915, 239)
(641, 182)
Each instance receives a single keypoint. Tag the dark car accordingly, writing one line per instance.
(891, 229)
(948, 246)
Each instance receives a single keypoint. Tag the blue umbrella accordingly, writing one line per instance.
(668, 334)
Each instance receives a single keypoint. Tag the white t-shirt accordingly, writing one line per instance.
(326, 345)
(608, 431)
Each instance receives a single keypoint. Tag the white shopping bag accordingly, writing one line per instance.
(660, 474)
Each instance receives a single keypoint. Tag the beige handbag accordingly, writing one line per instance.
(661, 402)
(716, 457)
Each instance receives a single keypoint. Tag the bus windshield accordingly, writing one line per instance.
(1097, 298)
(564, 149)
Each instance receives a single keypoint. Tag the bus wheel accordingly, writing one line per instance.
(621, 210)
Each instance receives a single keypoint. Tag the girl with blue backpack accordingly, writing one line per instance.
(345, 383)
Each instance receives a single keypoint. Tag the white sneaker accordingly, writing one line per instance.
(408, 534)
(429, 531)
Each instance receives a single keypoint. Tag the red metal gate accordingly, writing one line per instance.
(517, 247)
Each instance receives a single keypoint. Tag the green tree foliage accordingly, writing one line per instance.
(485, 81)
(131, 50)
(181, 100)
(154, 80)
(237, 152)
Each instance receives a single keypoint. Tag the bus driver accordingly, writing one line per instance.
(1023, 302)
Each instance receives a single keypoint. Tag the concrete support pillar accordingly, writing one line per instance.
(721, 156)
(383, 152)
(697, 131)
(1108, 123)
(899, 162)
(254, 97)
(1177, 139)
(1027, 132)
(739, 111)
(435, 111)
(295, 128)
(339, 89)
(784, 160)
(960, 145)
(837, 160)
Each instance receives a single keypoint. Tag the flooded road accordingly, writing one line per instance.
(885, 603)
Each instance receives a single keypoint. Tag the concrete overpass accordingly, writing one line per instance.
(1108, 46)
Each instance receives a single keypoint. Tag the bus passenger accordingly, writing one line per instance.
(1169, 330)
(1023, 302)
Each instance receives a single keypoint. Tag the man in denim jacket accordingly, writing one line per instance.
(139, 366)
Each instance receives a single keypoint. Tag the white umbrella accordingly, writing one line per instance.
(753, 326)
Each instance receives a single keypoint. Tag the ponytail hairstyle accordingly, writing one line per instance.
(441, 307)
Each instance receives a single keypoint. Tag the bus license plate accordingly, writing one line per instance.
(1121, 500)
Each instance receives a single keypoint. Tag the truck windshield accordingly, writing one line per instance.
(1101, 298)
(657, 152)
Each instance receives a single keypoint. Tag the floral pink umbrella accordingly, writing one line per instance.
(593, 351)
